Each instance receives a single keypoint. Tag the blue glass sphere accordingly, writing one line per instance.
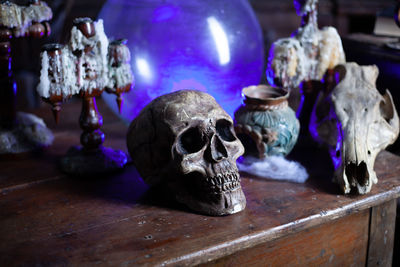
(209, 45)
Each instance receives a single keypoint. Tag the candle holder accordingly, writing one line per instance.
(19, 131)
(301, 61)
(86, 66)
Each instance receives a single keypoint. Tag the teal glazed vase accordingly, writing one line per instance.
(265, 123)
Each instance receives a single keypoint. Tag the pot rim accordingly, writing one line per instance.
(265, 94)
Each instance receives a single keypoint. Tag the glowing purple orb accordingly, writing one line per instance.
(210, 45)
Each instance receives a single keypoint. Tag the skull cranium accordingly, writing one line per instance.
(356, 122)
(186, 141)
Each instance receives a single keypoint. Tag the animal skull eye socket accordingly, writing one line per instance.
(224, 129)
(386, 111)
(192, 141)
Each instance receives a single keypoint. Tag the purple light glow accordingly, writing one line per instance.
(211, 46)
(335, 151)
(9, 67)
(336, 154)
(337, 77)
(14, 84)
(270, 72)
(302, 99)
(164, 13)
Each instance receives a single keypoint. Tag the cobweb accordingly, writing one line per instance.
(273, 167)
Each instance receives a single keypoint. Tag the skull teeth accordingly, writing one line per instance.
(223, 182)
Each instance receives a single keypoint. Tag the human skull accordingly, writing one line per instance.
(185, 141)
(356, 122)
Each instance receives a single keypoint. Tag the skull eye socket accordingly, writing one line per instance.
(386, 111)
(192, 141)
(225, 130)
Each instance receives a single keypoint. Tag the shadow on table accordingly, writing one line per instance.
(126, 186)
(315, 158)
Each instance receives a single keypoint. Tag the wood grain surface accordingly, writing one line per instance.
(341, 242)
(48, 218)
(383, 220)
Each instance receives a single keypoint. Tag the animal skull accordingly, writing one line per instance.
(186, 141)
(356, 122)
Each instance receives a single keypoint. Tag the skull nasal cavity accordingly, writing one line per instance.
(216, 150)
(357, 173)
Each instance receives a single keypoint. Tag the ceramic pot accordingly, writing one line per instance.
(265, 123)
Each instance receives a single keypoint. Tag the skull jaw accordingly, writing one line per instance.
(210, 189)
(359, 183)
(208, 198)
(220, 204)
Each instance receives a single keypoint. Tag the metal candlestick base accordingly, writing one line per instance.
(92, 158)
(30, 133)
(103, 160)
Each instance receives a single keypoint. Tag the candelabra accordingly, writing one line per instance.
(19, 132)
(86, 66)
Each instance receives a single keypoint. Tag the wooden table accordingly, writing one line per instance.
(47, 218)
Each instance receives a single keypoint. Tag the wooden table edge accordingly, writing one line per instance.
(228, 248)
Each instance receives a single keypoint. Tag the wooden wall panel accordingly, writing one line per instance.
(381, 240)
(342, 242)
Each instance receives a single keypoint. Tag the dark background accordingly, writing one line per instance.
(277, 18)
